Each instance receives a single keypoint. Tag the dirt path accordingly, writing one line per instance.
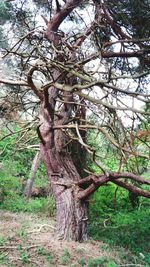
(29, 240)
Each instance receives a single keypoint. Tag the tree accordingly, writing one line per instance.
(93, 68)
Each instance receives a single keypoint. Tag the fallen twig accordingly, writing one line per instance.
(40, 228)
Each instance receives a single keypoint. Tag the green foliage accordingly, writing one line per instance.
(42, 251)
(7, 182)
(111, 264)
(129, 229)
(41, 176)
(12, 176)
(107, 199)
(21, 159)
(3, 258)
(82, 262)
(65, 257)
(3, 41)
(17, 203)
(24, 257)
(49, 207)
(112, 217)
(133, 15)
(3, 241)
(5, 11)
(96, 262)
(107, 155)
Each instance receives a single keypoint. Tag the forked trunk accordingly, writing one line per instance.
(71, 212)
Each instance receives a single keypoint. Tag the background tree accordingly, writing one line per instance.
(85, 59)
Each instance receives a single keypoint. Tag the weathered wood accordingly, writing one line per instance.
(32, 176)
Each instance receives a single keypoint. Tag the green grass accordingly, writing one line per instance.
(14, 173)
(128, 228)
(16, 203)
(112, 217)
(65, 257)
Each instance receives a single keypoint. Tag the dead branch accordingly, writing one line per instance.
(12, 82)
(31, 83)
(94, 182)
(40, 228)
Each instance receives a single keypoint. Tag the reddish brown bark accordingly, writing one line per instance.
(138, 54)
(71, 211)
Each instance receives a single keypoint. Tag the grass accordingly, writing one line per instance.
(128, 229)
(54, 254)
(116, 226)
(3, 241)
(112, 219)
(82, 262)
(96, 262)
(121, 226)
(17, 203)
(65, 258)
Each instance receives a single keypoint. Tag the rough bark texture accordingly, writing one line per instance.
(71, 212)
(71, 217)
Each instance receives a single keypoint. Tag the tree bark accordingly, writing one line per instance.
(71, 217)
(71, 212)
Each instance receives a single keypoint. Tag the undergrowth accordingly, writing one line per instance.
(117, 223)
(112, 217)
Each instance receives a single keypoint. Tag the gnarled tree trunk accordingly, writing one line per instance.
(71, 211)
(62, 174)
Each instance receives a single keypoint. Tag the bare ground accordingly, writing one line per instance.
(29, 240)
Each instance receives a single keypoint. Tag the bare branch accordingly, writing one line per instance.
(31, 83)
(132, 188)
(105, 133)
(130, 176)
(57, 19)
(12, 82)
(95, 181)
(138, 54)
(109, 106)
(117, 29)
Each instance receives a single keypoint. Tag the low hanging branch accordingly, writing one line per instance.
(133, 189)
(94, 182)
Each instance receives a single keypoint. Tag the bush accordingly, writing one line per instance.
(7, 183)
(13, 176)
(120, 226)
